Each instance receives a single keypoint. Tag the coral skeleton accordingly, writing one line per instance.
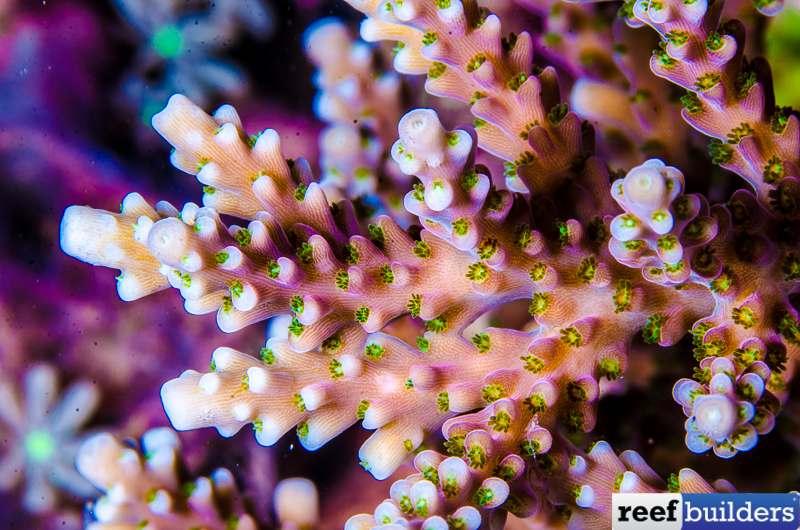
(601, 256)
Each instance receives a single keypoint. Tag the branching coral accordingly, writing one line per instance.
(362, 104)
(151, 489)
(601, 260)
(728, 98)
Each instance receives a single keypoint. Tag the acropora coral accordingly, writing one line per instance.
(593, 226)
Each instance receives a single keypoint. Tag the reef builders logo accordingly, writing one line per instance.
(702, 511)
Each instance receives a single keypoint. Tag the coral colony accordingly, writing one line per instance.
(600, 237)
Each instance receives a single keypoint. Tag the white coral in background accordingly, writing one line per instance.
(42, 437)
(179, 45)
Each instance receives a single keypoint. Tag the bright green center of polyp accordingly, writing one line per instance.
(39, 446)
(168, 41)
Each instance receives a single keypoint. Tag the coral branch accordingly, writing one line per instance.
(728, 99)
(150, 489)
(518, 115)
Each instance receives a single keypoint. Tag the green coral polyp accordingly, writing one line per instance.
(243, 237)
(745, 82)
(773, 171)
(721, 152)
(477, 457)
(437, 325)
(306, 253)
(342, 280)
(302, 430)
(535, 403)
(744, 317)
(500, 422)
(227, 304)
(461, 226)
(377, 235)
(780, 119)
(610, 369)
(677, 37)
(667, 242)
(483, 497)
(418, 192)
(790, 266)
(707, 81)
(571, 337)
(335, 369)
(487, 248)
(587, 269)
(414, 305)
(714, 348)
(516, 82)
(443, 401)
(492, 393)
(538, 271)
(351, 254)
(533, 364)
(723, 282)
(267, 356)
(475, 97)
(469, 180)
(362, 409)
(672, 269)
(522, 236)
(541, 302)
(478, 272)
(574, 422)
(652, 330)
(737, 133)
(747, 356)
(273, 269)
(422, 250)
(482, 341)
(296, 304)
(362, 314)
(297, 400)
(557, 114)
(387, 276)
(715, 42)
(575, 392)
(623, 295)
(663, 56)
(236, 288)
(674, 484)
(437, 70)
(296, 328)
(561, 233)
(629, 221)
(476, 62)
(374, 351)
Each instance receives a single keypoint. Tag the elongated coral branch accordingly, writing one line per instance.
(519, 117)
(362, 104)
(728, 99)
